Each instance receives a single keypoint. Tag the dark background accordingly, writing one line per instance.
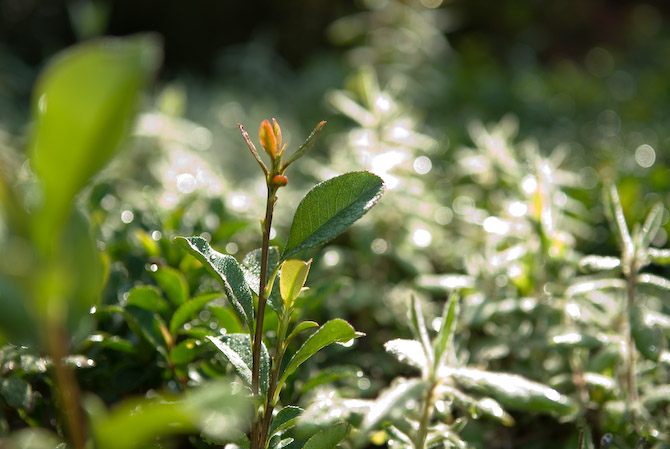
(197, 30)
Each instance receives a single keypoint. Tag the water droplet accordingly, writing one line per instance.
(379, 246)
(156, 235)
(422, 165)
(186, 183)
(127, 216)
(645, 156)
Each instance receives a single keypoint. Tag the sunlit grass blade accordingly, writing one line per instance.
(659, 256)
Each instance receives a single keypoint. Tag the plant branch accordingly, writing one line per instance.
(426, 414)
(66, 384)
(631, 372)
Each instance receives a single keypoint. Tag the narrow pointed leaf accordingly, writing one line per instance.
(514, 391)
(419, 329)
(186, 311)
(307, 145)
(599, 263)
(334, 331)
(148, 325)
(285, 419)
(226, 269)
(445, 335)
(251, 265)
(237, 349)
(614, 213)
(329, 437)
(330, 208)
(660, 283)
(651, 225)
(659, 256)
(649, 339)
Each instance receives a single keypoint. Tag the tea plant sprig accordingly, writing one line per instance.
(276, 280)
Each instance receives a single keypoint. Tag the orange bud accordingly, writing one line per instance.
(279, 180)
(268, 140)
(277, 130)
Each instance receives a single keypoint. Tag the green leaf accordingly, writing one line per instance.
(390, 404)
(330, 375)
(477, 407)
(649, 339)
(185, 351)
(190, 308)
(227, 271)
(251, 265)
(83, 106)
(329, 437)
(330, 208)
(113, 342)
(659, 256)
(307, 145)
(408, 351)
(148, 325)
(15, 321)
(599, 263)
(299, 328)
(227, 319)
(33, 439)
(134, 423)
(334, 331)
(514, 391)
(237, 349)
(285, 419)
(418, 326)
(293, 277)
(16, 392)
(651, 225)
(148, 298)
(444, 336)
(615, 215)
(173, 284)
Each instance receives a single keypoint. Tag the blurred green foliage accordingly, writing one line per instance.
(495, 134)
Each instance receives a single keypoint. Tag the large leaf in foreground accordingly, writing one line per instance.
(330, 208)
(334, 331)
(237, 349)
(83, 105)
(226, 269)
(514, 391)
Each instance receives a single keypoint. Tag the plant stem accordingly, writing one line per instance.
(427, 412)
(258, 434)
(631, 372)
(66, 384)
(262, 300)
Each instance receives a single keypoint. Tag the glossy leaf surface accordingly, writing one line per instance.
(330, 208)
(334, 331)
(226, 269)
(237, 349)
(329, 437)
